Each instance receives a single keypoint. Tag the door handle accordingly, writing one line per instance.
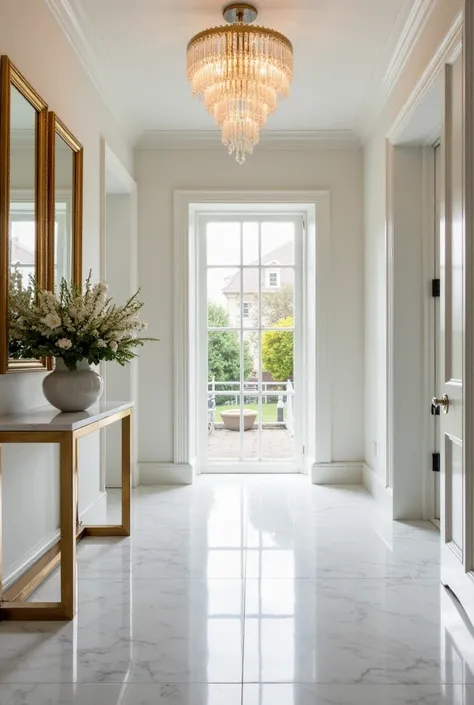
(443, 402)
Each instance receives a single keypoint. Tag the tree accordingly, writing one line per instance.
(277, 305)
(277, 351)
(224, 349)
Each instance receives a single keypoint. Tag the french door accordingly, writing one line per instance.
(249, 332)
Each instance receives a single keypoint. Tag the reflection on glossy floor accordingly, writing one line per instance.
(250, 591)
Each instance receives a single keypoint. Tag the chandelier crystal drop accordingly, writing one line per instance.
(240, 73)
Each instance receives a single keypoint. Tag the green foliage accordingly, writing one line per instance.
(224, 349)
(277, 351)
(277, 305)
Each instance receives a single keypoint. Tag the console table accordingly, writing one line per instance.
(47, 425)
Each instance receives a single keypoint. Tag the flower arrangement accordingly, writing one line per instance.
(74, 325)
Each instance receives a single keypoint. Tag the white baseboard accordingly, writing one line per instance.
(166, 473)
(30, 558)
(118, 486)
(373, 485)
(349, 473)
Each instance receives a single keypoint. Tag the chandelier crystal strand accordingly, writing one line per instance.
(240, 73)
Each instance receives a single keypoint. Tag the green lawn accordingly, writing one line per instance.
(269, 411)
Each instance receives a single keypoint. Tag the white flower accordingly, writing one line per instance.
(101, 343)
(52, 320)
(114, 346)
(64, 343)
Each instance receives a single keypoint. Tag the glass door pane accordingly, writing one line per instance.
(250, 279)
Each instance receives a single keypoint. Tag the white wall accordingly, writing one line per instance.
(439, 22)
(158, 174)
(36, 45)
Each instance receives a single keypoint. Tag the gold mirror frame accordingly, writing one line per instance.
(56, 127)
(10, 76)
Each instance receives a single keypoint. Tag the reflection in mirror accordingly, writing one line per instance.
(23, 126)
(63, 225)
(22, 231)
(65, 205)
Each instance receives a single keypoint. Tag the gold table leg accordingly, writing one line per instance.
(12, 605)
(126, 473)
(67, 499)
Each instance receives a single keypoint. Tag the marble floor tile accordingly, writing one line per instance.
(167, 554)
(361, 557)
(354, 631)
(164, 631)
(127, 694)
(307, 595)
(356, 694)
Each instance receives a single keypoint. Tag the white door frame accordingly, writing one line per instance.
(297, 462)
(406, 483)
(317, 362)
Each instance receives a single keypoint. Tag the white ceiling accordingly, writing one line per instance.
(344, 50)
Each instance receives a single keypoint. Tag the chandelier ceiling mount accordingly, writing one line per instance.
(240, 13)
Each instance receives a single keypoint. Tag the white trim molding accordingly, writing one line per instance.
(166, 474)
(406, 32)
(316, 204)
(73, 19)
(343, 473)
(447, 53)
(410, 34)
(382, 494)
(167, 140)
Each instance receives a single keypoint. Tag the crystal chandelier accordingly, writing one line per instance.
(240, 72)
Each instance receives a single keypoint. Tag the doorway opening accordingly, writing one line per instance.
(250, 333)
(118, 245)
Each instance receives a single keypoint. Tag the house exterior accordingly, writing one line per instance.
(275, 275)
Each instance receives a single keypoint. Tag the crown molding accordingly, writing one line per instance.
(412, 20)
(447, 52)
(73, 20)
(410, 34)
(169, 140)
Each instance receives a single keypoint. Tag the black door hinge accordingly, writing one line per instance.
(436, 288)
(436, 467)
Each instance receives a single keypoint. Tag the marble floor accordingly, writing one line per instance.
(249, 591)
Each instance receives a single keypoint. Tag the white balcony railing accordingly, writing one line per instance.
(282, 394)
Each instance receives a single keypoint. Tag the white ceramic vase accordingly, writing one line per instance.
(72, 390)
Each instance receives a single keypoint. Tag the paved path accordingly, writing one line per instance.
(276, 443)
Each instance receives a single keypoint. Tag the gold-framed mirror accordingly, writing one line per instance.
(65, 193)
(23, 184)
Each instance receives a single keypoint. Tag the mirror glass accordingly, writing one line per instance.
(22, 222)
(22, 245)
(63, 210)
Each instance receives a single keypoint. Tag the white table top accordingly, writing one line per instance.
(47, 418)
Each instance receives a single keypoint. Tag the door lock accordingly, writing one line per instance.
(443, 403)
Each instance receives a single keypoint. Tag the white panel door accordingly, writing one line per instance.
(456, 499)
